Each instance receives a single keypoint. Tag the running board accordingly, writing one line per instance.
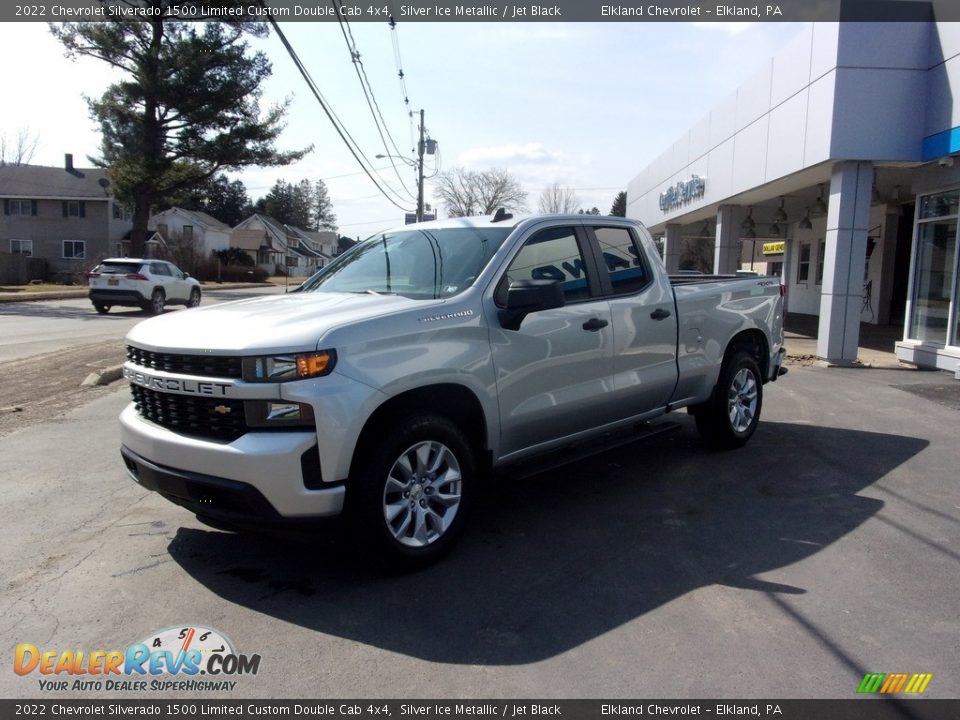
(588, 448)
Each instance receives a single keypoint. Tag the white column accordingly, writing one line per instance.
(848, 220)
(671, 247)
(726, 248)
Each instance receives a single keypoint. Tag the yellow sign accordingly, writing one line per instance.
(773, 248)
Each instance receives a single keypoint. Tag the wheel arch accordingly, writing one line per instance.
(755, 343)
(455, 402)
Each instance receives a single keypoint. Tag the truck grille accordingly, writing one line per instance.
(201, 365)
(202, 417)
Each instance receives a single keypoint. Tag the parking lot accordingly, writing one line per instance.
(825, 549)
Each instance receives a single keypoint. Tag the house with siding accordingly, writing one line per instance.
(204, 232)
(65, 215)
(283, 249)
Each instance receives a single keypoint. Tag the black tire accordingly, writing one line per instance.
(102, 309)
(157, 302)
(371, 495)
(732, 397)
(194, 300)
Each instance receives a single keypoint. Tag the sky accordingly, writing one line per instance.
(586, 106)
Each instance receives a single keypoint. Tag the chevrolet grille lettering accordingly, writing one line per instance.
(176, 385)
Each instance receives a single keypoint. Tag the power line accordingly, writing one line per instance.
(326, 179)
(398, 61)
(341, 131)
(368, 93)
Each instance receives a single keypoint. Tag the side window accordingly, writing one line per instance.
(551, 254)
(623, 260)
(159, 269)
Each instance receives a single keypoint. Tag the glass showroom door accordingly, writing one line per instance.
(935, 269)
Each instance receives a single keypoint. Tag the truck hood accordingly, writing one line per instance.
(280, 323)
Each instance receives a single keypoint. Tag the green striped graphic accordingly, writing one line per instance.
(871, 682)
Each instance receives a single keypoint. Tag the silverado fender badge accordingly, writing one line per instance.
(433, 318)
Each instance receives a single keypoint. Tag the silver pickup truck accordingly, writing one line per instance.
(402, 374)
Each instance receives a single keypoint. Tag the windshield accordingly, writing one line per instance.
(420, 264)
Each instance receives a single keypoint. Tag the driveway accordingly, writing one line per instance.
(826, 548)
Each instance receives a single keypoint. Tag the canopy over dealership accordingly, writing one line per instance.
(832, 166)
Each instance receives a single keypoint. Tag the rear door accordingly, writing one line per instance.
(643, 319)
(553, 373)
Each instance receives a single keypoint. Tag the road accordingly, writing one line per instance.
(825, 549)
(34, 328)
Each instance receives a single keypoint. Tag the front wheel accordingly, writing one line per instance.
(730, 417)
(194, 300)
(412, 492)
(102, 309)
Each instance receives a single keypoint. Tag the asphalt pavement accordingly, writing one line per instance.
(825, 549)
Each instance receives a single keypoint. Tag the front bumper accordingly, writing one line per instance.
(259, 476)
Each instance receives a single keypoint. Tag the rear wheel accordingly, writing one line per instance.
(157, 302)
(194, 300)
(730, 417)
(102, 309)
(411, 494)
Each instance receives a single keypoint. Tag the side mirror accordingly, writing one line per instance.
(528, 296)
(186, 275)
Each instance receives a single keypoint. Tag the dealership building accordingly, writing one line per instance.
(835, 167)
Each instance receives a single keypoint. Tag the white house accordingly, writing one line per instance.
(177, 224)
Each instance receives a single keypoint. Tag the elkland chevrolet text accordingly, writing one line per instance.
(428, 356)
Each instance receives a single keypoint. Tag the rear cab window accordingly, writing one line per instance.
(623, 260)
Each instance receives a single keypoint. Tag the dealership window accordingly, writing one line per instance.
(74, 249)
(935, 269)
(775, 269)
(21, 247)
(821, 251)
(803, 263)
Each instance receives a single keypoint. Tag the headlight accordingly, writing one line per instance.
(278, 414)
(280, 368)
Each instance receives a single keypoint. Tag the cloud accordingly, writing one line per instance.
(529, 153)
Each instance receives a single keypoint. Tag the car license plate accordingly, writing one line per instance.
(113, 281)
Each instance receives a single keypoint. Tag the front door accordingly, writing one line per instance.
(554, 372)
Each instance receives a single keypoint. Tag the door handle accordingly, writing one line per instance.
(594, 324)
(660, 314)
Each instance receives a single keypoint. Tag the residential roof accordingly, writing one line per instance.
(39, 181)
(210, 222)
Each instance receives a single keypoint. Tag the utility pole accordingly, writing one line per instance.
(420, 149)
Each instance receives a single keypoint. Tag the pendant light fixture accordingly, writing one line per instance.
(705, 231)
(819, 207)
(748, 223)
(805, 223)
(780, 215)
(749, 234)
(774, 230)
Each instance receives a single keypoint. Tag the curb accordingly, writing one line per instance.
(104, 376)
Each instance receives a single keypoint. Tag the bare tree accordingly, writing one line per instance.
(21, 151)
(556, 199)
(469, 192)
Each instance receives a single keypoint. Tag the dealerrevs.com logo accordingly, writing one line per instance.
(189, 658)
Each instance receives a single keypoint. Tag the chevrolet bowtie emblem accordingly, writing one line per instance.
(222, 409)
